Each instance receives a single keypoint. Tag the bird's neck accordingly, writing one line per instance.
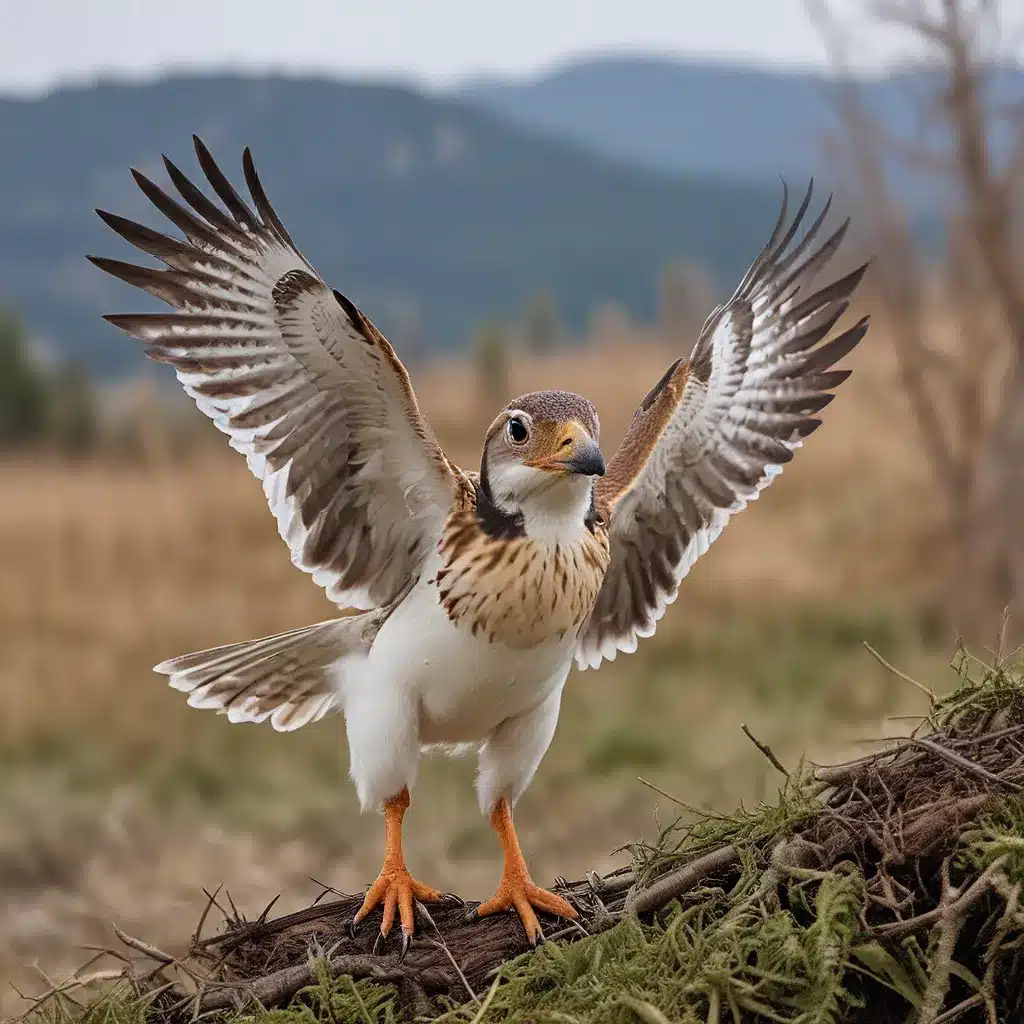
(559, 516)
(555, 514)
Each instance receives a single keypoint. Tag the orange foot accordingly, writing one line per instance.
(395, 887)
(516, 890)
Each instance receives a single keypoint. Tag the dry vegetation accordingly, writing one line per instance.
(968, 398)
(118, 802)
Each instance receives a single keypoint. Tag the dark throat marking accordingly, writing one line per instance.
(493, 519)
(593, 518)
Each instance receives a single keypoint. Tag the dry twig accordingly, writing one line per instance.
(765, 749)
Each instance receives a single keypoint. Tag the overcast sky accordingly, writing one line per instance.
(44, 43)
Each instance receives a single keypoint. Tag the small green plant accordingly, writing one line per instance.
(23, 387)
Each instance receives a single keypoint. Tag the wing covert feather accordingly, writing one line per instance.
(298, 378)
(718, 428)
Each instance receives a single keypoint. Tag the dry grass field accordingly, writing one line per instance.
(117, 802)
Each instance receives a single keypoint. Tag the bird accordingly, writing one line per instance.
(468, 593)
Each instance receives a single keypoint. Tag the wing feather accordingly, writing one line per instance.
(719, 427)
(298, 378)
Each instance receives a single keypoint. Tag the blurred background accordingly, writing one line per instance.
(551, 195)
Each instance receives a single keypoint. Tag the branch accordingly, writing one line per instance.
(900, 675)
(959, 904)
(912, 16)
(765, 749)
(965, 763)
(962, 1007)
(674, 884)
(144, 947)
(278, 988)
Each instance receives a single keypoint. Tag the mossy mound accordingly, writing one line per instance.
(886, 889)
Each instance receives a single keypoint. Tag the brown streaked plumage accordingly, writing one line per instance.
(479, 589)
(513, 589)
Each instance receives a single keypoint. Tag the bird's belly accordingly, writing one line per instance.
(465, 685)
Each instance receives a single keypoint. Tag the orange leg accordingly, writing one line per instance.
(516, 889)
(394, 886)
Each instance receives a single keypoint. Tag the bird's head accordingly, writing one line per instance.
(539, 460)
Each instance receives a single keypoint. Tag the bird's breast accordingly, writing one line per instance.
(463, 684)
(518, 591)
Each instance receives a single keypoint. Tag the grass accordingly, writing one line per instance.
(720, 954)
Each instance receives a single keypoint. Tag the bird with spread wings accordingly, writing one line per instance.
(476, 590)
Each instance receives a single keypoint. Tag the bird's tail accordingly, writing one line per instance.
(284, 678)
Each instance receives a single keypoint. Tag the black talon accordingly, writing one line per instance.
(406, 943)
(377, 943)
(451, 897)
(472, 915)
(353, 927)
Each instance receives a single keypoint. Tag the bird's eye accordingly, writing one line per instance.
(517, 432)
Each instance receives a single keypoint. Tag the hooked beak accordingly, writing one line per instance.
(577, 452)
(586, 459)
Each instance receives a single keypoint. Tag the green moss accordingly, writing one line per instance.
(698, 831)
(1000, 834)
(328, 1001)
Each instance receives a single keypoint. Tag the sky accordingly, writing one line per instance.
(434, 43)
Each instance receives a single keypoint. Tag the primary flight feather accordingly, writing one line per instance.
(477, 589)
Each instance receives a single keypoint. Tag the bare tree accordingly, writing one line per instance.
(966, 394)
(490, 351)
(542, 329)
(685, 295)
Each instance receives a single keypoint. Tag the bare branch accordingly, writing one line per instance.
(766, 750)
(973, 444)
(900, 675)
(674, 884)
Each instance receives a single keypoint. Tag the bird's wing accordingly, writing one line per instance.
(303, 384)
(717, 428)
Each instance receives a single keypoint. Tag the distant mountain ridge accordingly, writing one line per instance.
(692, 117)
(428, 212)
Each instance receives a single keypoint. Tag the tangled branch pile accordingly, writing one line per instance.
(884, 889)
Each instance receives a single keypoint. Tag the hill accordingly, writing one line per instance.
(430, 213)
(690, 117)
